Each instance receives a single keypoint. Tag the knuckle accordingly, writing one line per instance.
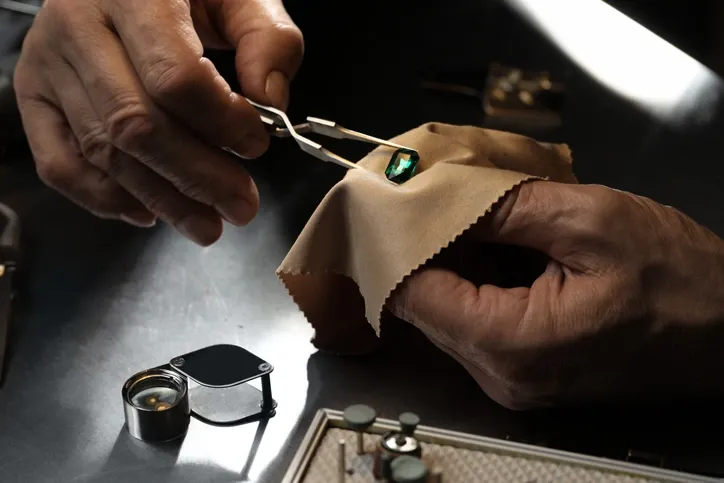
(95, 145)
(606, 201)
(157, 203)
(164, 205)
(129, 124)
(197, 188)
(293, 40)
(170, 79)
(58, 10)
(97, 148)
(612, 211)
(60, 17)
(598, 210)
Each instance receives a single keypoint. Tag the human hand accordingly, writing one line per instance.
(125, 116)
(628, 303)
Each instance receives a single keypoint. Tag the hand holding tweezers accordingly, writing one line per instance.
(281, 127)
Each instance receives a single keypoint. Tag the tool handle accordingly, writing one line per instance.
(9, 228)
(10, 122)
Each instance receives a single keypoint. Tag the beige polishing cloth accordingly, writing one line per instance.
(367, 234)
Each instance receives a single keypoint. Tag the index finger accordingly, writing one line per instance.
(459, 314)
(167, 54)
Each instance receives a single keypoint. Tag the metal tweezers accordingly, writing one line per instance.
(280, 126)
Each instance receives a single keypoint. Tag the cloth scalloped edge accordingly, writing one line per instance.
(375, 323)
(367, 236)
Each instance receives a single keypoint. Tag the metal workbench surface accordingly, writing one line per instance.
(100, 301)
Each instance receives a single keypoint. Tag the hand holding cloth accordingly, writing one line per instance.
(367, 234)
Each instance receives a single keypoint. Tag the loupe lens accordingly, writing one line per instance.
(156, 405)
(155, 393)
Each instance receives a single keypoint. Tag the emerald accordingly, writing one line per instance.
(402, 165)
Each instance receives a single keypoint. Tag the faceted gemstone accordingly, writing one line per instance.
(402, 165)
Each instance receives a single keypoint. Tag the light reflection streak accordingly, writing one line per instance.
(625, 57)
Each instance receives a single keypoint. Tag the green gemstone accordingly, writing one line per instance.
(402, 165)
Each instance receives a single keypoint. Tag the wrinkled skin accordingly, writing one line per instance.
(127, 118)
(628, 305)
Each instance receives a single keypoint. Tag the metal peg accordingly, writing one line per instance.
(436, 475)
(408, 423)
(341, 462)
(358, 418)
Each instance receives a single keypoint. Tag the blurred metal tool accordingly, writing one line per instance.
(19, 7)
(281, 127)
(9, 255)
(517, 97)
(513, 98)
(11, 128)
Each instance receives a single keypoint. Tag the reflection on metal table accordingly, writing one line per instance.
(101, 301)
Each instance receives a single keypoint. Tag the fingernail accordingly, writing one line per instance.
(251, 147)
(199, 229)
(277, 90)
(237, 212)
(231, 151)
(139, 219)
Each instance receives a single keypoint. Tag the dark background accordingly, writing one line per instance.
(363, 66)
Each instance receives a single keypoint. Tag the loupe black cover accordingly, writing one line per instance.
(225, 365)
(221, 366)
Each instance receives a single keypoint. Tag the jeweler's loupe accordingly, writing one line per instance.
(156, 401)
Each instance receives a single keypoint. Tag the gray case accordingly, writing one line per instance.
(462, 458)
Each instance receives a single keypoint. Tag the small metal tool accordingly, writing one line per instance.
(386, 467)
(341, 461)
(9, 255)
(358, 418)
(19, 7)
(281, 127)
(401, 442)
(436, 475)
(409, 469)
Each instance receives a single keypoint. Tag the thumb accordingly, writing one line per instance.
(557, 219)
(269, 47)
(454, 312)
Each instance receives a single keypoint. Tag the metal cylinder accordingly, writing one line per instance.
(341, 462)
(267, 403)
(360, 443)
(395, 444)
(436, 475)
(156, 405)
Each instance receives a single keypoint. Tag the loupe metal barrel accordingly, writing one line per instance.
(156, 405)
